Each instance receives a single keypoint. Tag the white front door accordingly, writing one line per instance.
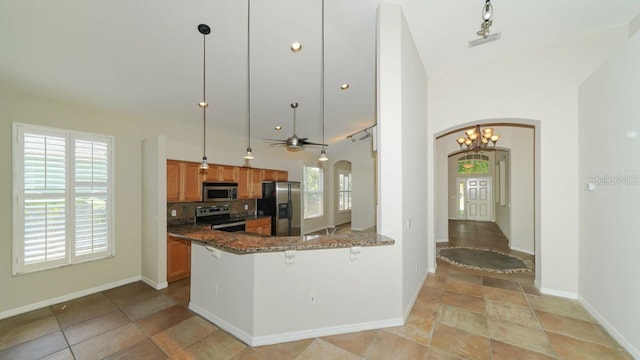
(478, 199)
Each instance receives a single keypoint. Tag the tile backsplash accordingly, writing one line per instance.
(187, 210)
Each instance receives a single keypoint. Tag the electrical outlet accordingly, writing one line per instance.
(215, 288)
(417, 267)
(246, 206)
(173, 213)
(312, 299)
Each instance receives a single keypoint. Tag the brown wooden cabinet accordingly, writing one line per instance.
(275, 175)
(184, 181)
(222, 173)
(178, 258)
(250, 183)
(259, 226)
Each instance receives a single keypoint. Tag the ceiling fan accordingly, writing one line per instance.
(294, 143)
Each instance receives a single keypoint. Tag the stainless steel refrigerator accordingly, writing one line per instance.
(281, 201)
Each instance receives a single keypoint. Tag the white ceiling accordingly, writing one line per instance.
(145, 58)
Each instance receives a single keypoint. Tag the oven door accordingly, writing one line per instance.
(231, 227)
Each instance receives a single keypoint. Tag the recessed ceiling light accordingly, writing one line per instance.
(296, 47)
(344, 86)
(278, 127)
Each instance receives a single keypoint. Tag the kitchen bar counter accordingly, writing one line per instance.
(244, 243)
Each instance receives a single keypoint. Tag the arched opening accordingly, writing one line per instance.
(509, 171)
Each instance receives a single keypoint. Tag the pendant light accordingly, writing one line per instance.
(249, 156)
(204, 30)
(323, 153)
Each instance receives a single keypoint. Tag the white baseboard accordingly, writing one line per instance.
(327, 331)
(231, 329)
(63, 298)
(560, 293)
(294, 335)
(442, 240)
(153, 284)
(526, 251)
(610, 329)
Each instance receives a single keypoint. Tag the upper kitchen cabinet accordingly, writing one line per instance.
(222, 173)
(250, 183)
(184, 181)
(275, 175)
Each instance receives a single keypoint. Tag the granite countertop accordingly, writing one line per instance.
(244, 243)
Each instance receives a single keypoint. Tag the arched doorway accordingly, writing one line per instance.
(513, 192)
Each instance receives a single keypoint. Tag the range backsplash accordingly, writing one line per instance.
(187, 210)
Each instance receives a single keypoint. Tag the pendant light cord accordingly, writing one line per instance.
(204, 95)
(322, 75)
(249, 67)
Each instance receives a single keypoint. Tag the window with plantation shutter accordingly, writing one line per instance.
(62, 188)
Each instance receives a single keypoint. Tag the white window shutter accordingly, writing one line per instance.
(63, 188)
(44, 210)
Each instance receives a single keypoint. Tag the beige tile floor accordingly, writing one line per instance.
(458, 314)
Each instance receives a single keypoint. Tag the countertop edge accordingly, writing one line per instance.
(244, 244)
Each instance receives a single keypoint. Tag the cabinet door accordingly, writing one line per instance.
(283, 176)
(173, 181)
(259, 226)
(229, 173)
(256, 183)
(178, 259)
(244, 186)
(192, 182)
(213, 173)
(271, 175)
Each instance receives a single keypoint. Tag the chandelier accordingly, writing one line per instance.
(477, 139)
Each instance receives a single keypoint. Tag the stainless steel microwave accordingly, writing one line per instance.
(219, 191)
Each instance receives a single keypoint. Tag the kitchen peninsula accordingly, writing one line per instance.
(267, 290)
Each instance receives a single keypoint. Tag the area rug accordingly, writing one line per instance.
(485, 260)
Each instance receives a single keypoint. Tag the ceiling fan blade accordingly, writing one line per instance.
(313, 143)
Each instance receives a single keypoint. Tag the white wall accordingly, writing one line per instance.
(503, 213)
(609, 145)
(402, 90)
(34, 290)
(540, 86)
(154, 220)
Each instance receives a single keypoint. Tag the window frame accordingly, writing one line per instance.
(342, 193)
(70, 195)
(320, 191)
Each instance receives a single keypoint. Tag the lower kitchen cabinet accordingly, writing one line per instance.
(178, 258)
(259, 226)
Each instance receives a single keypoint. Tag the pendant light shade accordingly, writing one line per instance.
(204, 30)
(323, 153)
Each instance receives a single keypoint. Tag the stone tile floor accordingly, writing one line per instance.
(459, 314)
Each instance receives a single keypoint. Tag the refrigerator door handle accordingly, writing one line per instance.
(290, 210)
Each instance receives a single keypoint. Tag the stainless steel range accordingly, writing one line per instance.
(218, 218)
